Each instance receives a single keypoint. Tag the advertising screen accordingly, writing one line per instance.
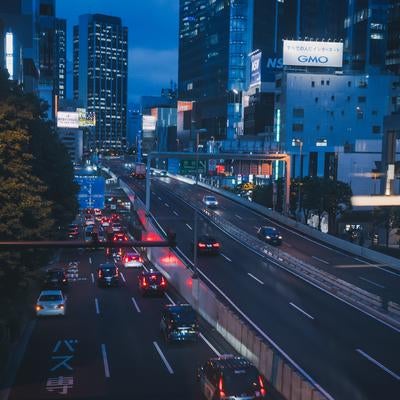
(314, 54)
(67, 119)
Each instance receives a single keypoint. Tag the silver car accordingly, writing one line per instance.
(51, 302)
(210, 201)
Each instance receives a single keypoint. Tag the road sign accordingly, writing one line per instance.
(173, 166)
(91, 193)
(188, 167)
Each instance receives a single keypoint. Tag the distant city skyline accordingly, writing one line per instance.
(153, 40)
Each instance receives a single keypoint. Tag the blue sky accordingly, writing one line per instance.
(153, 38)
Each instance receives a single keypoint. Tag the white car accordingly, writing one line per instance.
(210, 201)
(132, 258)
(51, 302)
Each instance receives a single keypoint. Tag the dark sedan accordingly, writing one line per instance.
(270, 235)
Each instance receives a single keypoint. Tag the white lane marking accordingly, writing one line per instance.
(256, 227)
(166, 204)
(96, 302)
(153, 193)
(226, 257)
(377, 363)
(92, 277)
(320, 259)
(159, 198)
(175, 213)
(170, 370)
(169, 298)
(389, 272)
(358, 259)
(123, 277)
(302, 311)
(254, 277)
(145, 268)
(372, 282)
(135, 304)
(189, 227)
(209, 344)
(90, 260)
(105, 361)
(238, 216)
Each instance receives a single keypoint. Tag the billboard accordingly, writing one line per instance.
(91, 192)
(314, 54)
(185, 106)
(149, 123)
(67, 119)
(255, 70)
(86, 118)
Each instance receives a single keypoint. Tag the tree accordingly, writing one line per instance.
(325, 195)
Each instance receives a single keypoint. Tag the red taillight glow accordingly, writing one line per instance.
(262, 388)
(127, 259)
(144, 283)
(215, 244)
(202, 245)
(221, 388)
(140, 259)
(115, 239)
(163, 282)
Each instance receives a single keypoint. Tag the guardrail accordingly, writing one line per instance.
(352, 294)
(283, 373)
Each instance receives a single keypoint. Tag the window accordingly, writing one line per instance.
(316, 99)
(297, 128)
(374, 112)
(298, 112)
(360, 113)
(312, 84)
(362, 99)
(322, 83)
(376, 129)
(333, 98)
(328, 83)
(349, 83)
(348, 98)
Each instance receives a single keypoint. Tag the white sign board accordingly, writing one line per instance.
(314, 54)
(67, 119)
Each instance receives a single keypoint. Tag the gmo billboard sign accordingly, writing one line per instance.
(312, 54)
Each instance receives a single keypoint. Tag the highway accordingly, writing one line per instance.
(350, 354)
(108, 346)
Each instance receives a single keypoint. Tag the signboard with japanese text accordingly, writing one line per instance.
(311, 53)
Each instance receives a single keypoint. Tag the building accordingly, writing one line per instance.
(322, 117)
(393, 42)
(100, 50)
(60, 64)
(366, 35)
(19, 50)
(213, 46)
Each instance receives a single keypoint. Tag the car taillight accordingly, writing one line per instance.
(153, 277)
(99, 274)
(202, 245)
(215, 244)
(125, 238)
(144, 283)
(163, 282)
(115, 239)
(221, 388)
(262, 387)
(140, 259)
(127, 259)
(39, 307)
(116, 272)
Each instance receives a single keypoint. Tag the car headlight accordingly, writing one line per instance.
(279, 237)
(267, 237)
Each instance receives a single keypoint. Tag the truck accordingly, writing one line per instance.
(139, 170)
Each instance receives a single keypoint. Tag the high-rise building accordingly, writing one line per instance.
(100, 76)
(366, 35)
(393, 42)
(213, 45)
(60, 73)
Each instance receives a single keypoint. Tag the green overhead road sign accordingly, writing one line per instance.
(188, 167)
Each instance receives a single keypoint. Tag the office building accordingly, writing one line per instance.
(393, 42)
(60, 67)
(100, 50)
(366, 35)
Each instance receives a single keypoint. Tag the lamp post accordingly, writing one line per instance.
(195, 274)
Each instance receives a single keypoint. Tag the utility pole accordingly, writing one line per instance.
(195, 275)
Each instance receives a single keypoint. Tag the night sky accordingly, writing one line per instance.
(153, 39)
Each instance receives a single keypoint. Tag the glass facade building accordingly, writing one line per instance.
(100, 49)
(60, 73)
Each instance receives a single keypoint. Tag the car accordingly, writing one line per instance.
(179, 323)
(270, 235)
(120, 237)
(116, 227)
(132, 258)
(55, 278)
(231, 377)
(73, 226)
(207, 244)
(163, 172)
(105, 222)
(88, 233)
(73, 233)
(115, 217)
(50, 302)
(210, 201)
(152, 281)
(107, 275)
(89, 220)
